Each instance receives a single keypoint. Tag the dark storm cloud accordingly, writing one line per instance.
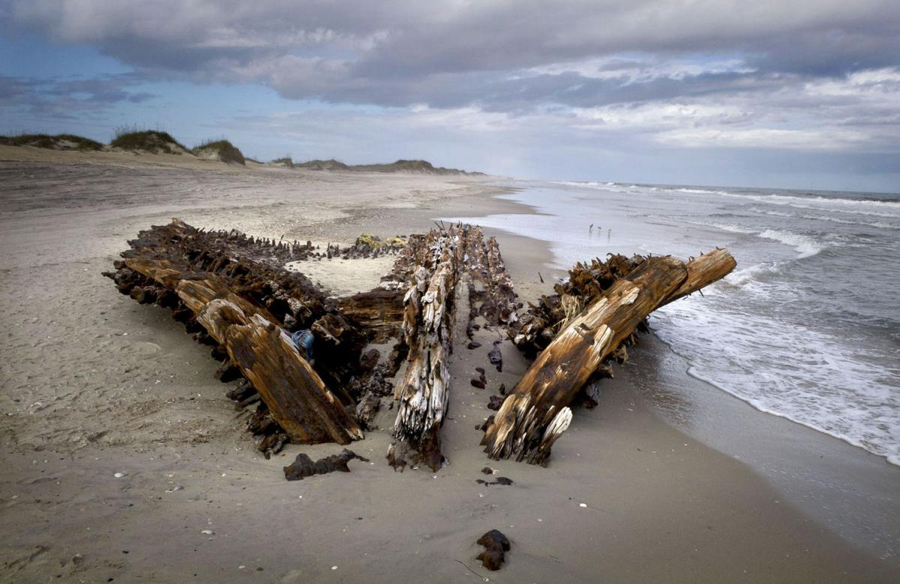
(69, 98)
(450, 53)
(810, 76)
(14, 90)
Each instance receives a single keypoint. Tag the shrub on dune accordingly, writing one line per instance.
(284, 161)
(57, 142)
(152, 141)
(330, 164)
(222, 150)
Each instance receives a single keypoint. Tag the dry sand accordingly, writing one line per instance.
(94, 385)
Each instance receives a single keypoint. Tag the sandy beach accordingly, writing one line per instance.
(668, 480)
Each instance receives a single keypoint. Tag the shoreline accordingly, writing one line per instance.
(122, 388)
(818, 467)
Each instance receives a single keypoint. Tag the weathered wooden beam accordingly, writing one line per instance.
(537, 412)
(379, 310)
(235, 292)
(295, 395)
(432, 266)
(427, 328)
(703, 271)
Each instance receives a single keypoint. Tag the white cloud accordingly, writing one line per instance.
(641, 70)
(815, 76)
(860, 84)
(768, 138)
(655, 116)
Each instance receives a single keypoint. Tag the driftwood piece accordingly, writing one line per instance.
(536, 413)
(500, 481)
(495, 402)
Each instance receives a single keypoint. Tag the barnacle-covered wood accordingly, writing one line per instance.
(224, 285)
(429, 270)
(539, 325)
(184, 268)
(491, 293)
(536, 413)
(427, 330)
(293, 393)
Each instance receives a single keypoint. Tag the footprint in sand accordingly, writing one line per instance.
(141, 348)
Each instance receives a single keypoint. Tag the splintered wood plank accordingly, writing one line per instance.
(537, 412)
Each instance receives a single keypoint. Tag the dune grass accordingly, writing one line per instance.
(225, 151)
(399, 166)
(153, 141)
(285, 160)
(52, 142)
(330, 164)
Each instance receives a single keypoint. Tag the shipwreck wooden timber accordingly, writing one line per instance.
(183, 268)
(427, 333)
(293, 392)
(536, 413)
(436, 265)
(703, 271)
(236, 294)
(536, 328)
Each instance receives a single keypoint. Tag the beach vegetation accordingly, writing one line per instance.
(52, 142)
(330, 164)
(283, 161)
(153, 141)
(220, 150)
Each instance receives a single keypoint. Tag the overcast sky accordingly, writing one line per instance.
(800, 93)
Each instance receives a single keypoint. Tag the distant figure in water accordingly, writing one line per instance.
(303, 340)
(608, 234)
(591, 228)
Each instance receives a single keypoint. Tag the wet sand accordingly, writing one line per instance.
(94, 384)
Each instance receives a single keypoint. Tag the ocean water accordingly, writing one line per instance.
(808, 325)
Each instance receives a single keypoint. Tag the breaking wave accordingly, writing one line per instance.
(805, 246)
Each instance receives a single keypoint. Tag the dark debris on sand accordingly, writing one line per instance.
(495, 544)
(304, 467)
